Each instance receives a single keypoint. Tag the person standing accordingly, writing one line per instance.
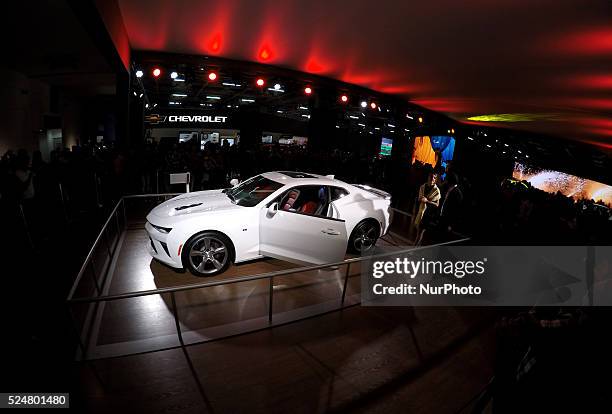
(452, 204)
(428, 197)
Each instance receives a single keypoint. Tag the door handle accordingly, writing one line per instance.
(330, 232)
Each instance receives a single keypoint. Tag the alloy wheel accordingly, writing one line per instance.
(208, 255)
(365, 237)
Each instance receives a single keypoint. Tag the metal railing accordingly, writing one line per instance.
(270, 276)
(89, 262)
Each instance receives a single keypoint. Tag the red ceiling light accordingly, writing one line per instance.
(260, 82)
(344, 98)
(156, 72)
(373, 105)
(265, 53)
(212, 76)
(308, 90)
(215, 43)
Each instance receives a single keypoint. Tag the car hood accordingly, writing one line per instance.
(193, 203)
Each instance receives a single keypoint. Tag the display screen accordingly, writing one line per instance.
(187, 136)
(386, 145)
(434, 150)
(569, 185)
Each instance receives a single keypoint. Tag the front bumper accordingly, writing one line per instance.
(158, 247)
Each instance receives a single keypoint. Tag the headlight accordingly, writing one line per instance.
(161, 229)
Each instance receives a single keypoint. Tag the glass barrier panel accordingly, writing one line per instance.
(218, 311)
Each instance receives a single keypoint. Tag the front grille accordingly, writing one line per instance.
(165, 246)
(153, 245)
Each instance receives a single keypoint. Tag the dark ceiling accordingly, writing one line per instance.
(548, 63)
(46, 41)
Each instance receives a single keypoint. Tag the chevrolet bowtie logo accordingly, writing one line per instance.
(155, 118)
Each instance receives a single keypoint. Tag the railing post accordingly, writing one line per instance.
(61, 191)
(25, 224)
(75, 328)
(270, 294)
(108, 245)
(124, 214)
(117, 223)
(94, 276)
(346, 275)
(176, 319)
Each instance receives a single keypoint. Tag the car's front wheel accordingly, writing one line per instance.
(364, 236)
(207, 254)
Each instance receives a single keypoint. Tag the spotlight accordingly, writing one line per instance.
(139, 74)
(308, 90)
(452, 130)
(277, 87)
(156, 72)
(260, 82)
(373, 105)
(174, 75)
(344, 98)
(212, 76)
(421, 119)
(364, 104)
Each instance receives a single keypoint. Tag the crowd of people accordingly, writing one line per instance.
(507, 212)
(443, 201)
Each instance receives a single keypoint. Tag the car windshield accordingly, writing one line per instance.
(250, 192)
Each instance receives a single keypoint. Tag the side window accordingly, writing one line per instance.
(306, 199)
(337, 193)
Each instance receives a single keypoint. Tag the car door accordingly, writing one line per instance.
(302, 234)
(336, 194)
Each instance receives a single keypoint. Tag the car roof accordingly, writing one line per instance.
(294, 177)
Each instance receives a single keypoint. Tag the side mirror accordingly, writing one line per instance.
(272, 209)
(234, 182)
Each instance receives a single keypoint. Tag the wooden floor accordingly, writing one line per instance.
(365, 360)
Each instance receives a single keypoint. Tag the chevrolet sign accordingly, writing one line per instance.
(161, 119)
(196, 118)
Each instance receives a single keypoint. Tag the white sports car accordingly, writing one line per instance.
(298, 217)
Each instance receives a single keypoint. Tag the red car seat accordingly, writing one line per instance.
(309, 208)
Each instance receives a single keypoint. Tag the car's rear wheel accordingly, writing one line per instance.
(208, 253)
(364, 236)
